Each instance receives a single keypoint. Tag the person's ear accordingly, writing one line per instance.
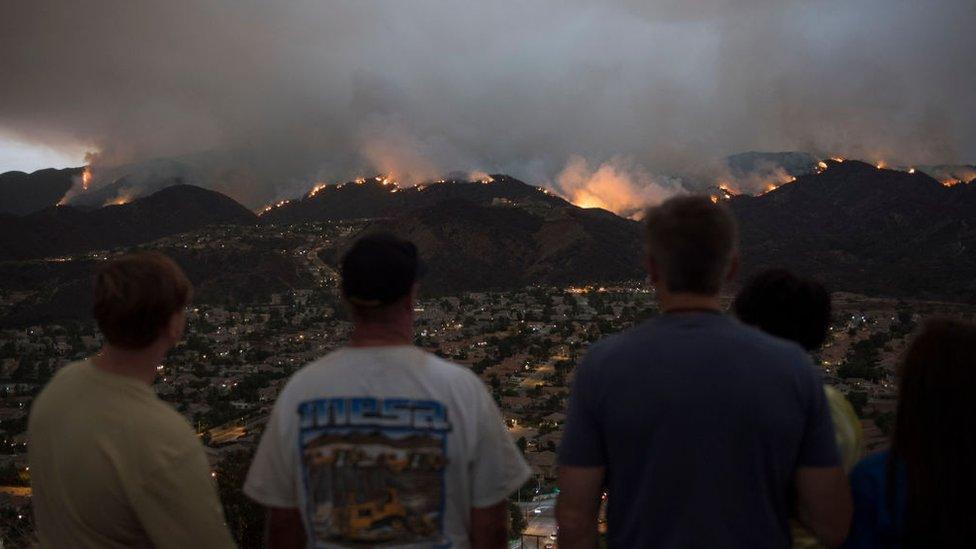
(176, 327)
(734, 265)
(414, 295)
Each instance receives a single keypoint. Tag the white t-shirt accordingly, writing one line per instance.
(386, 445)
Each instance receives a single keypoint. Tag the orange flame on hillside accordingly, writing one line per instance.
(319, 187)
(118, 201)
(77, 186)
(274, 205)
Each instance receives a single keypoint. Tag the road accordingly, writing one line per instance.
(541, 519)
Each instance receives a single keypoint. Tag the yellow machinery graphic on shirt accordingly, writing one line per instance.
(373, 471)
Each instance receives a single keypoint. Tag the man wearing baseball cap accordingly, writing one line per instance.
(380, 442)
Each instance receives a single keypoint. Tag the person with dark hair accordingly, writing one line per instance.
(380, 442)
(920, 492)
(784, 305)
(111, 464)
(703, 431)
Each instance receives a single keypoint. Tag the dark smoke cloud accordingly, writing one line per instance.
(554, 91)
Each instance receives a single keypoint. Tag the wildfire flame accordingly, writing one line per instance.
(86, 177)
(880, 165)
(911, 170)
(274, 205)
(319, 187)
(822, 165)
(118, 201)
(837, 158)
(770, 188)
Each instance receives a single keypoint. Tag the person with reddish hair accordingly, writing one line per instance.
(919, 493)
(111, 464)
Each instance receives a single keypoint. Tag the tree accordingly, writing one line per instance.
(862, 359)
(517, 521)
(858, 400)
(886, 423)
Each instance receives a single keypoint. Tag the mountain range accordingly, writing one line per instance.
(855, 226)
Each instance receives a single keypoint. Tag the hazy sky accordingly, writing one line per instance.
(547, 90)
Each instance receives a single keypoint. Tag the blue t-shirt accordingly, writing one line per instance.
(876, 524)
(701, 423)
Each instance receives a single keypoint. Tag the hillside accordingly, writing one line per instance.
(468, 246)
(863, 229)
(66, 230)
(22, 193)
(374, 197)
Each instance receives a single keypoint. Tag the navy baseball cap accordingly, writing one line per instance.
(379, 269)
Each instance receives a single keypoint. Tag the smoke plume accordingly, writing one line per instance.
(262, 99)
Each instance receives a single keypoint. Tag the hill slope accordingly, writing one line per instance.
(66, 229)
(22, 193)
(468, 246)
(370, 198)
(869, 230)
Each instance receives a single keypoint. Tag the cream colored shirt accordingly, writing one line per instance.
(114, 466)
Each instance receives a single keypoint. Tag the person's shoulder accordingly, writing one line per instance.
(869, 476)
(163, 422)
(64, 380)
(309, 372)
(451, 372)
(763, 348)
(622, 341)
(871, 467)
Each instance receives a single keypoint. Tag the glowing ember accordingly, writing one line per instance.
(86, 177)
(714, 199)
(118, 201)
(277, 204)
(316, 189)
(586, 199)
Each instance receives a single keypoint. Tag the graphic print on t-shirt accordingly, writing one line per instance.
(373, 471)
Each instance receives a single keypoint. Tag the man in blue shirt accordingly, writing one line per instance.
(703, 431)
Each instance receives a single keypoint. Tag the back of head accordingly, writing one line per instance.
(935, 435)
(692, 241)
(378, 272)
(136, 297)
(784, 305)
